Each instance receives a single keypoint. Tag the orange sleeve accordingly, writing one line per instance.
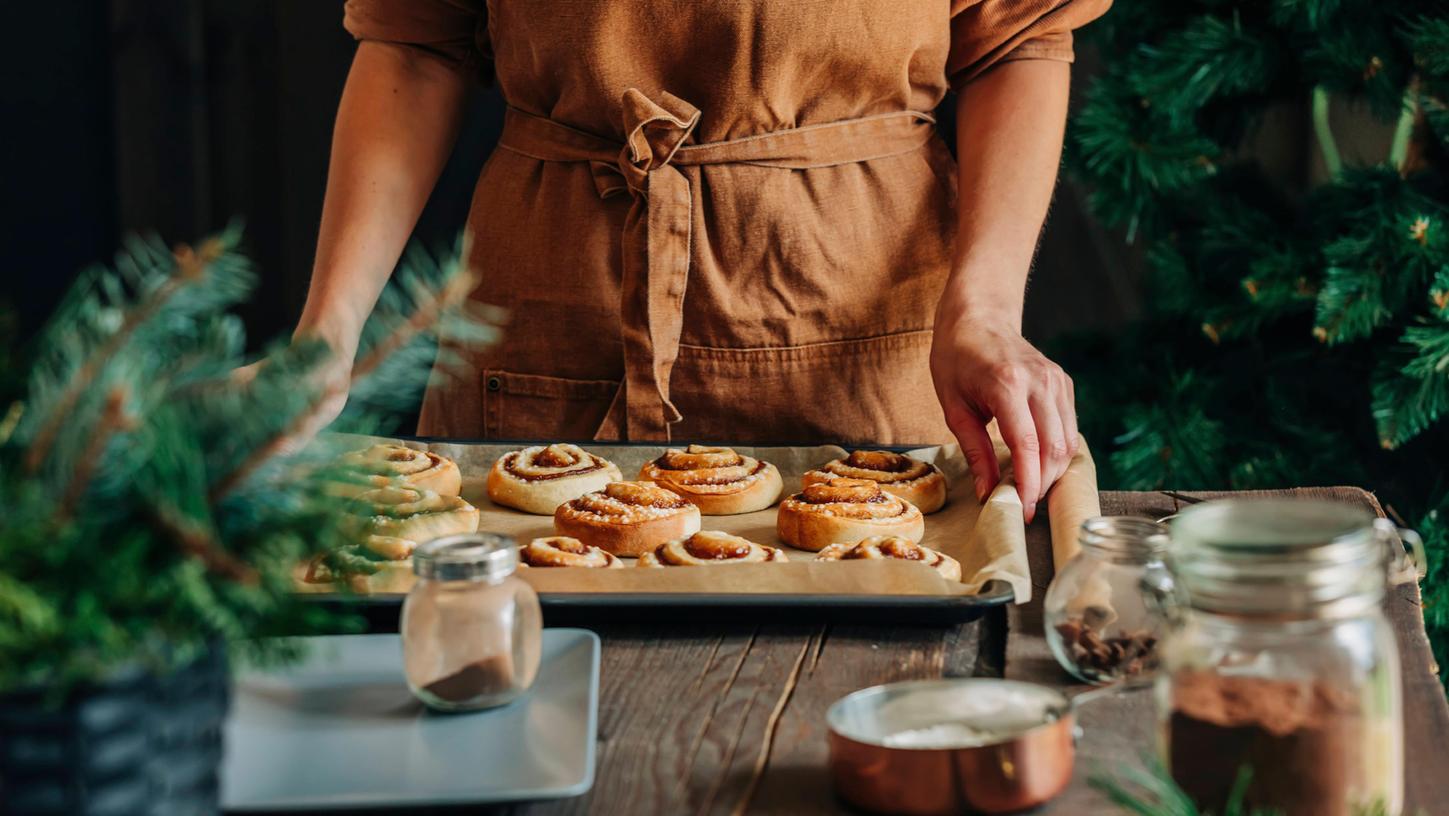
(453, 30)
(987, 32)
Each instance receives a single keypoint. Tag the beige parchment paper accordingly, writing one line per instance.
(989, 539)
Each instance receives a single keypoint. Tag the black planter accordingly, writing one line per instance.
(141, 744)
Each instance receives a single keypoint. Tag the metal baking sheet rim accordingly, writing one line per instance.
(995, 593)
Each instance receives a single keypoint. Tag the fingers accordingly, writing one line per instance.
(1018, 429)
(976, 446)
(1046, 414)
(1037, 414)
(1069, 418)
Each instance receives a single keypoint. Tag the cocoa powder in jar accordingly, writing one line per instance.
(1303, 742)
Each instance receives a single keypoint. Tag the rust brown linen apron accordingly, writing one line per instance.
(724, 220)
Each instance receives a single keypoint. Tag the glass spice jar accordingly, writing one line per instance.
(472, 631)
(1280, 663)
(1100, 623)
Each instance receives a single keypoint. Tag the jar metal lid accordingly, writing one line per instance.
(467, 557)
(1278, 557)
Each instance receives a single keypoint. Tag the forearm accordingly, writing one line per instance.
(396, 125)
(1009, 127)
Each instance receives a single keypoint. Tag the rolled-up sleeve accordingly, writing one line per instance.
(453, 30)
(985, 33)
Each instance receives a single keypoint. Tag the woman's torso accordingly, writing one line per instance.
(809, 291)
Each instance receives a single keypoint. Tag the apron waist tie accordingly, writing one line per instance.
(658, 229)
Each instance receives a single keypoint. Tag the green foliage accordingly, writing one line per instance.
(156, 504)
(1294, 334)
(1151, 791)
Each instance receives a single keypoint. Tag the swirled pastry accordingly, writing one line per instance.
(388, 464)
(416, 514)
(845, 510)
(394, 521)
(627, 518)
(562, 551)
(881, 547)
(919, 483)
(709, 548)
(539, 479)
(719, 481)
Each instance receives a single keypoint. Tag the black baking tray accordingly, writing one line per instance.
(585, 610)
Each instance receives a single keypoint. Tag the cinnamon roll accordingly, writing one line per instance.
(919, 483)
(719, 481)
(879, 547)
(627, 518)
(709, 548)
(539, 479)
(845, 510)
(417, 515)
(562, 551)
(393, 522)
(388, 464)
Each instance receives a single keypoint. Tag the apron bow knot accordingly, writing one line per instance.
(653, 133)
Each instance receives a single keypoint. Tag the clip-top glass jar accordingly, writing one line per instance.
(471, 630)
(1100, 623)
(1281, 664)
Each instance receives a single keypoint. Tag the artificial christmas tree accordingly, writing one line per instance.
(1297, 321)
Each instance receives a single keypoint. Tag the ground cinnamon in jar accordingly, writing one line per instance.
(489, 676)
(1302, 740)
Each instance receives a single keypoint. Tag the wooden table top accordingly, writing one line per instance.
(731, 718)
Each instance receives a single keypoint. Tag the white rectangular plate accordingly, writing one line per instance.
(341, 730)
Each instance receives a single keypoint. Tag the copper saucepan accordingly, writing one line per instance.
(950, 746)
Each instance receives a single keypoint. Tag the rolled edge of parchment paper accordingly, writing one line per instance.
(1073, 500)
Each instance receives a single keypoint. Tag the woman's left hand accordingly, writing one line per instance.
(983, 368)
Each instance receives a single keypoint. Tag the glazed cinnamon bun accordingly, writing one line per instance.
(710, 548)
(388, 464)
(845, 510)
(883, 547)
(719, 481)
(627, 518)
(562, 551)
(919, 483)
(539, 479)
(392, 522)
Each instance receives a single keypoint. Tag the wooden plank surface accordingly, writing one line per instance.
(730, 719)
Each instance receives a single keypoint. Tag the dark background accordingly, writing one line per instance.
(175, 116)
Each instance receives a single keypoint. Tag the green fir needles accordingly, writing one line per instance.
(1297, 326)
(156, 503)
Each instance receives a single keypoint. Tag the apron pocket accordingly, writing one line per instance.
(535, 407)
(869, 390)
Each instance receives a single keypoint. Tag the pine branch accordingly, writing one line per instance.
(113, 420)
(1323, 131)
(190, 269)
(426, 315)
(11, 420)
(1404, 130)
(191, 539)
